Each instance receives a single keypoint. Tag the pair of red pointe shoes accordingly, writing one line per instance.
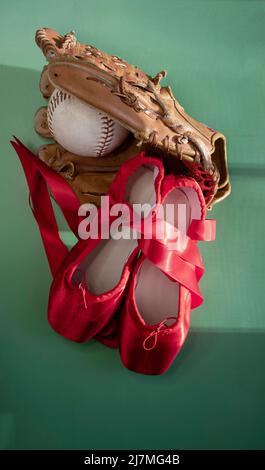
(134, 289)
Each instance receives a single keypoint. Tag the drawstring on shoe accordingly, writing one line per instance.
(154, 334)
(82, 286)
(83, 290)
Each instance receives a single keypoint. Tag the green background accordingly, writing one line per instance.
(56, 394)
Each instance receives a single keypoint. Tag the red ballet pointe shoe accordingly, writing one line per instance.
(164, 285)
(89, 288)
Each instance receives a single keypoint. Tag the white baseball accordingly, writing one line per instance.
(81, 128)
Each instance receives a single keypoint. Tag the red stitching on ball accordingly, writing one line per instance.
(107, 133)
(107, 124)
(56, 99)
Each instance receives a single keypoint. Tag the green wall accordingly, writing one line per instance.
(57, 394)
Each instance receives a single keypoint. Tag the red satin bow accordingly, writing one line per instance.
(176, 253)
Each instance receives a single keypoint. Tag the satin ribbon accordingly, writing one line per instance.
(38, 176)
(174, 252)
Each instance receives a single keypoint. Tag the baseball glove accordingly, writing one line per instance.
(154, 118)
